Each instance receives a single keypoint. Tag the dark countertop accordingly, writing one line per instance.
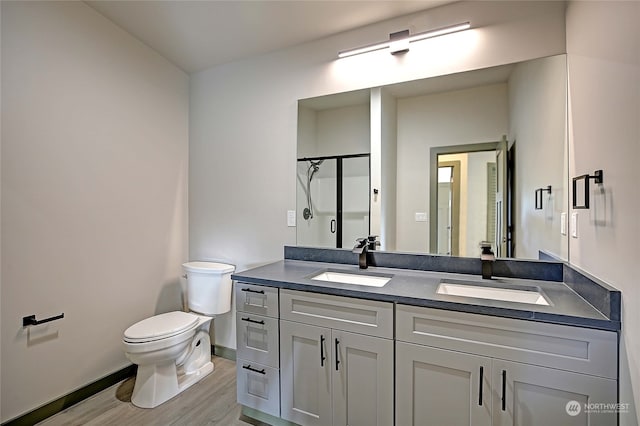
(418, 288)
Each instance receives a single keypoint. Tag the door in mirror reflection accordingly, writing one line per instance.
(470, 193)
(332, 200)
(448, 207)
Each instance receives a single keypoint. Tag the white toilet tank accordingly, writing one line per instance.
(208, 287)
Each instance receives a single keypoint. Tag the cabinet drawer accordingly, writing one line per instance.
(257, 339)
(258, 386)
(567, 348)
(341, 313)
(256, 299)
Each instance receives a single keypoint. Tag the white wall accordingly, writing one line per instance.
(603, 46)
(0, 222)
(376, 158)
(343, 131)
(389, 169)
(243, 116)
(94, 195)
(537, 117)
(475, 115)
(307, 133)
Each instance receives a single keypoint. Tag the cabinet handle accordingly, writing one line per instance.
(248, 290)
(261, 322)
(250, 368)
(322, 357)
(504, 390)
(480, 390)
(337, 354)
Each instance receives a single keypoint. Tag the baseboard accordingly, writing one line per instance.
(224, 352)
(258, 418)
(60, 404)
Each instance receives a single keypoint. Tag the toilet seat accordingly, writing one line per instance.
(160, 327)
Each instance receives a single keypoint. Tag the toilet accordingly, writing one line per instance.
(173, 350)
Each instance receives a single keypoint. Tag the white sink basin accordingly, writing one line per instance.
(492, 293)
(348, 278)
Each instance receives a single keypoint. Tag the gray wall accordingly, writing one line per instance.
(94, 195)
(603, 46)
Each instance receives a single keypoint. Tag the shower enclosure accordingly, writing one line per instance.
(332, 200)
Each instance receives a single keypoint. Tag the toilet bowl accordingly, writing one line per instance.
(173, 349)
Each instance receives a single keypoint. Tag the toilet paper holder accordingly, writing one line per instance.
(31, 320)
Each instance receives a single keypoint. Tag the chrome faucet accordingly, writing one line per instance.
(487, 258)
(361, 250)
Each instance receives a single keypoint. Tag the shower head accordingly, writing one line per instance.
(314, 166)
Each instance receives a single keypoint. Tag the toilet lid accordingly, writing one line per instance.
(160, 326)
(208, 267)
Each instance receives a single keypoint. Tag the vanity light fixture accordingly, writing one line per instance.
(399, 41)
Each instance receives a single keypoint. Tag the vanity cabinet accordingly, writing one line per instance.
(437, 387)
(543, 396)
(460, 368)
(258, 357)
(337, 360)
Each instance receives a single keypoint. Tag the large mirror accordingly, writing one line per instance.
(440, 164)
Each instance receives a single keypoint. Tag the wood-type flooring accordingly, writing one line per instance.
(212, 401)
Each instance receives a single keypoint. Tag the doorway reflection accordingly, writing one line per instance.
(448, 207)
(468, 199)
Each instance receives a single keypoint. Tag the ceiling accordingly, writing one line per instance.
(196, 35)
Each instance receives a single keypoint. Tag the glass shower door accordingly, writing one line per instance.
(316, 195)
(332, 201)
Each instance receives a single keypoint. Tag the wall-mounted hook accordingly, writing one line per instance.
(539, 192)
(597, 178)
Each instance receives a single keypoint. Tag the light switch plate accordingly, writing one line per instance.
(421, 217)
(574, 225)
(291, 218)
(563, 223)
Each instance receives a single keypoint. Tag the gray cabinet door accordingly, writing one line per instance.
(440, 387)
(527, 395)
(305, 359)
(362, 379)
